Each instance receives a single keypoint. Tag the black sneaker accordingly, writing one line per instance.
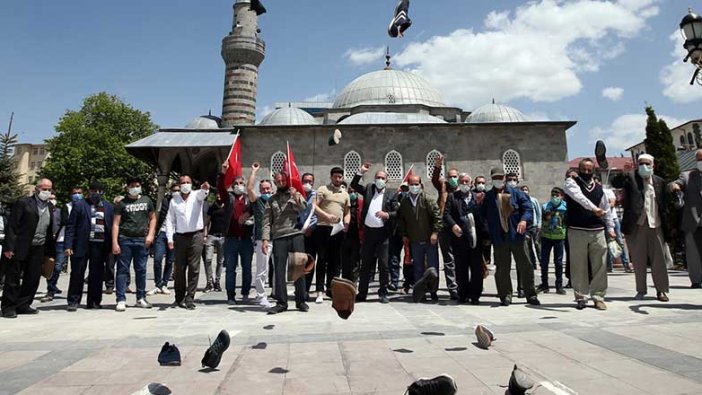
(601, 154)
(506, 301)
(534, 301)
(169, 355)
(519, 381)
(582, 303)
(384, 299)
(520, 293)
(543, 288)
(439, 385)
(392, 287)
(420, 289)
(213, 355)
(217, 287)
(72, 307)
(302, 307)
(27, 310)
(277, 309)
(560, 291)
(9, 314)
(189, 305)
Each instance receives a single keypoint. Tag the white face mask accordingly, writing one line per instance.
(238, 189)
(499, 184)
(415, 189)
(186, 188)
(136, 191)
(512, 183)
(465, 188)
(480, 187)
(44, 195)
(307, 187)
(379, 183)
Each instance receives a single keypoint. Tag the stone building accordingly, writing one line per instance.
(391, 118)
(30, 159)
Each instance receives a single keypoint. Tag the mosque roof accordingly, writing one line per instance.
(496, 113)
(388, 86)
(369, 118)
(205, 122)
(288, 116)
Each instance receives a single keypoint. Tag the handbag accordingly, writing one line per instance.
(47, 268)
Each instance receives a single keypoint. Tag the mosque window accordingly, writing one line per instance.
(277, 162)
(431, 158)
(682, 141)
(393, 166)
(511, 162)
(690, 140)
(352, 164)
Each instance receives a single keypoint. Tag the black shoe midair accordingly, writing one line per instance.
(213, 355)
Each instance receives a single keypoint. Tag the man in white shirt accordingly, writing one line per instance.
(184, 230)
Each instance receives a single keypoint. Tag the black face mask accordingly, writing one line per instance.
(95, 198)
(585, 176)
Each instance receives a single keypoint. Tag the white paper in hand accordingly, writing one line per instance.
(338, 227)
(306, 225)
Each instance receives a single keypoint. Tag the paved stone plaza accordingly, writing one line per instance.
(635, 347)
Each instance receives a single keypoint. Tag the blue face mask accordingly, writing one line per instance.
(555, 201)
(76, 197)
(265, 196)
(645, 171)
(353, 196)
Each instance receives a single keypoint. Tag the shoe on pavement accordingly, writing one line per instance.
(217, 287)
(165, 291)
(245, 299)
(534, 301)
(303, 307)
(169, 355)
(519, 381)
(277, 309)
(189, 305)
(696, 285)
(143, 303)
(320, 298)
(420, 288)
(485, 337)
(439, 385)
(47, 298)
(560, 291)
(506, 301)
(9, 314)
(72, 307)
(121, 306)
(640, 296)
(582, 303)
(543, 288)
(213, 355)
(109, 290)
(600, 305)
(661, 296)
(27, 310)
(154, 291)
(384, 299)
(521, 294)
(209, 287)
(231, 302)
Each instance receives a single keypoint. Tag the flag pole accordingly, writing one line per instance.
(408, 172)
(232, 148)
(287, 154)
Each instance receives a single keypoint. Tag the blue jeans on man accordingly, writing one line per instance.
(51, 287)
(234, 248)
(132, 248)
(162, 273)
(558, 247)
(424, 254)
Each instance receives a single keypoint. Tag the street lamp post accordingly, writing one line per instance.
(691, 28)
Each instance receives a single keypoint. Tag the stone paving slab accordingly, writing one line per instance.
(643, 347)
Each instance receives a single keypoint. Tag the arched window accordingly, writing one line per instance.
(431, 157)
(277, 162)
(352, 164)
(690, 140)
(682, 141)
(511, 163)
(393, 166)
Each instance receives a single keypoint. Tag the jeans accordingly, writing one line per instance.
(132, 249)
(558, 248)
(424, 253)
(214, 244)
(235, 247)
(161, 273)
(51, 287)
(620, 241)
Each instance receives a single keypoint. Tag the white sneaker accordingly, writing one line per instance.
(121, 306)
(320, 298)
(143, 304)
(154, 291)
(165, 291)
(264, 302)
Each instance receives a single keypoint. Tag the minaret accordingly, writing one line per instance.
(242, 51)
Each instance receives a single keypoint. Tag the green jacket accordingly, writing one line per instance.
(418, 223)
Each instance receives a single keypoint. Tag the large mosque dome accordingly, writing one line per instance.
(288, 116)
(366, 118)
(496, 113)
(388, 86)
(205, 122)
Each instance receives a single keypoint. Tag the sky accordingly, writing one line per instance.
(597, 62)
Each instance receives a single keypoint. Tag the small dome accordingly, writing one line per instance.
(496, 113)
(288, 116)
(388, 87)
(370, 118)
(205, 122)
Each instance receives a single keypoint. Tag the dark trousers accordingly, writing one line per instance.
(394, 259)
(281, 248)
(328, 256)
(188, 251)
(448, 258)
(350, 257)
(469, 270)
(310, 249)
(546, 246)
(503, 260)
(95, 259)
(22, 280)
(487, 253)
(374, 251)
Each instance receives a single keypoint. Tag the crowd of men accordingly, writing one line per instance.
(353, 231)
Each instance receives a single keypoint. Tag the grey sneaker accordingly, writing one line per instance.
(143, 303)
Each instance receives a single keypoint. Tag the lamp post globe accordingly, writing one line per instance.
(691, 29)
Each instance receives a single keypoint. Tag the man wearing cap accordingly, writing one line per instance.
(332, 206)
(588, 217)
(377, 213)
(508, 212)
(87, 242)
(133, 229)
(445, 188)
(689, 184)
(553, 235)
(643, 223)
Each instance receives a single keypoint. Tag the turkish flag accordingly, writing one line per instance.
(234, 160)
(292, 173)
(408, 175)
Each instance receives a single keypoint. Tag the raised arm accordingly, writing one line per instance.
(251, 182)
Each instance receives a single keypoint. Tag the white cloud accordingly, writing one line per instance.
(365, 56)
(628, 130)
(536, 51)
(676, 76)
(613, 93)
(321, 97)
(261, 112)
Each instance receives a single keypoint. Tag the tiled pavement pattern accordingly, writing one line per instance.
(635, 347)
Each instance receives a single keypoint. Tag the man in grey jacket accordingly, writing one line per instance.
(690, 184)
(279, 226)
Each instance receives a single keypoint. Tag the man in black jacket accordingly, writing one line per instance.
(378, 210)
(643, 224)
(28, 241)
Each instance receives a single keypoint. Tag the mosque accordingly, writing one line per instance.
(392, 118)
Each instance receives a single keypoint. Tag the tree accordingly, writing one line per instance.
(659, 143)
(89, 146)
(10, 187)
